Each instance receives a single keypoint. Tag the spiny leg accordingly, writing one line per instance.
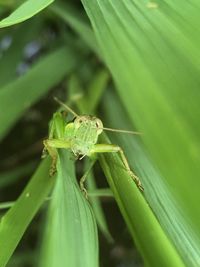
(83, 178)
(56, 130)
(109, 148)
(135, 178)
(54, 141)
(51, 146)
(47, 149)
(53, 153)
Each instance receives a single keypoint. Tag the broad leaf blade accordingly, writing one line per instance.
(154, 60)
(156, 192)
(71, 234)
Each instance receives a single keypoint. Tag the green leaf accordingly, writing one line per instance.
(71, 233)
(102, 192)
(78, 23)
(27, 10)
(14, 223)
(96, 203)
(139, 218)
(6, 205)
(96, 89)
(19, 95)
(174, 225)
(11, 58)
(152, 52)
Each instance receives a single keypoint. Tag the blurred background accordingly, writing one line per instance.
(135, 64)
(21, 47)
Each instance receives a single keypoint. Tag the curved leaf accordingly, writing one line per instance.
(152, 52)
(14, 223)
(71, 233)
(27, 10)
(22, 92)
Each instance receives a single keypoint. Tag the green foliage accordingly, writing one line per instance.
(157, 78)
(77, 22)
(25, 11)
(13, 55)
(152, 52)
(25, 92)
(16, 220)
(70, 222)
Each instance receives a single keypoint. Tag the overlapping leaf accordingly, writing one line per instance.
(28, 9)
(152, 52)
(71, 227)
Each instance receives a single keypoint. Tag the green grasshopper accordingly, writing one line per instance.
(81, 136)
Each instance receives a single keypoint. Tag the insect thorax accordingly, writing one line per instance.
(83, 134)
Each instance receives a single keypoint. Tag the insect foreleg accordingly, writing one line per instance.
(51, 146)
(109, 148)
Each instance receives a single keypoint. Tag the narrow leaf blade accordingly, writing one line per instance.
(27, 10)
(17, 219)
(20, 94)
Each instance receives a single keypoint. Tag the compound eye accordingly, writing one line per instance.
(78, 121)
(99, 125)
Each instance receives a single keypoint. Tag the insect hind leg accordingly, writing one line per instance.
(135, 178)
(109, 148)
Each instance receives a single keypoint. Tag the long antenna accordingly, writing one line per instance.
(65, 106)
(120, 131)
